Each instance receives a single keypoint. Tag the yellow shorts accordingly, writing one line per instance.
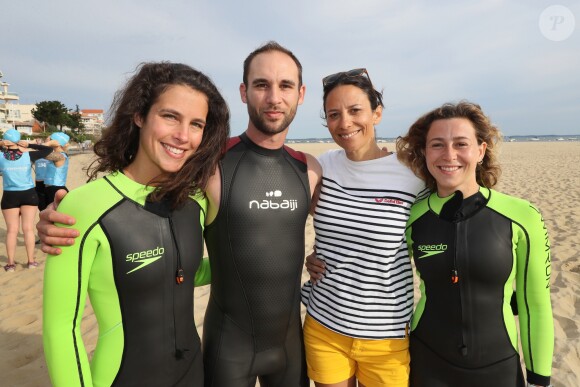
(332, 357)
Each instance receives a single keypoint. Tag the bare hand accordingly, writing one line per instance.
(315, 267)
(51, 235)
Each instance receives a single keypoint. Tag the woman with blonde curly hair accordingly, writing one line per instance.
(471, 246)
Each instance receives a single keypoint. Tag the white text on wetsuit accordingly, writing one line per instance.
(269, 204)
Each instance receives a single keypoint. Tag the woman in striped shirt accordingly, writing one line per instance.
(358, 311)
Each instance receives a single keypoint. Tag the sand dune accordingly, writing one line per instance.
(547, 174)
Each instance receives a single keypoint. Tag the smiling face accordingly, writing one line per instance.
(452, 154)
(273, 92)
(351, 121)
(169, 134)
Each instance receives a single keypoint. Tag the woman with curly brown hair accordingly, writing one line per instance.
(471, 245)
(140, 241)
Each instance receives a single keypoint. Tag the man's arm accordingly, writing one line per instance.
(314, 179)
(213, 193)
(314, 172)
(51, 235)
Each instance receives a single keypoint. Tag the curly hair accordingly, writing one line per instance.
(120, 140)
(411, 147)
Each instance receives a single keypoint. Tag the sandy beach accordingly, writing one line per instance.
(545, 173)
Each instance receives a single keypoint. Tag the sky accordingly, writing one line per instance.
(521, 64)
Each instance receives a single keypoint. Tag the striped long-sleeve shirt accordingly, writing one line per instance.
(360, 218)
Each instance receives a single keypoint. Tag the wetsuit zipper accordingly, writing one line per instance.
(462, 347)
(179, 353)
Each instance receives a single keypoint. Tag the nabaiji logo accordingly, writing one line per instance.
(145, 257)
(430, 250)
(274, 201)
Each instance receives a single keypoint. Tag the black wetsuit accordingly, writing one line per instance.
(252, 326)
(126, 258)
(468, 254)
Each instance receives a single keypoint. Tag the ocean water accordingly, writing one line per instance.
(546, 138)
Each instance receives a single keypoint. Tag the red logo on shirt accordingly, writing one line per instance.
(389, 201)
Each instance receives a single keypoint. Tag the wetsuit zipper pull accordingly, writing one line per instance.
(454, 276)
(179, 276)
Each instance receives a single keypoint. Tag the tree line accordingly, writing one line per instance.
(55, 115)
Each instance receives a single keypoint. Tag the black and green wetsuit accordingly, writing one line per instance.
(468, 254)
(126, 259)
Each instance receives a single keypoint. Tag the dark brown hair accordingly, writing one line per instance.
(411, 147)
(268, 47)
(120, 140)
(361, 81)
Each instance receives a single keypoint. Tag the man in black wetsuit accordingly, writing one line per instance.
(261, 194)
(258, 204)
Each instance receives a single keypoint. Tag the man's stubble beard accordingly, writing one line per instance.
(262, 126)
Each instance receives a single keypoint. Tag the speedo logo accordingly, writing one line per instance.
(430, 250)
(276, 204)
(145, 258)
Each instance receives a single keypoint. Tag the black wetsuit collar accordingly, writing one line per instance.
(455, 208)
(258, 149)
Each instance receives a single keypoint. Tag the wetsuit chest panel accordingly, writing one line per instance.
(480, 249)
(152, 304)
(256, 244)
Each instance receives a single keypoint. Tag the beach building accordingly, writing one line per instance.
(14, 115)
(7, 112)
(94, 121)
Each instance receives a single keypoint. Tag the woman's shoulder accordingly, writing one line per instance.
(419, 208)
(513, 207)
(331, 154)
(92, 195)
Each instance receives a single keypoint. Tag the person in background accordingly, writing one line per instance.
(471, 245)
(57, 168)
(40, 167)
(19, 200)
(358, 311)
(141, 237)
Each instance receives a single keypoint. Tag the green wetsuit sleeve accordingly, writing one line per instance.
(203, 274)
(417, 210)
(66, 279)
(533, 295)
(83, 268)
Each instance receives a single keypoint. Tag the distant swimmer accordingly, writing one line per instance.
(19, 200)
(40, 167)
(57, 168)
